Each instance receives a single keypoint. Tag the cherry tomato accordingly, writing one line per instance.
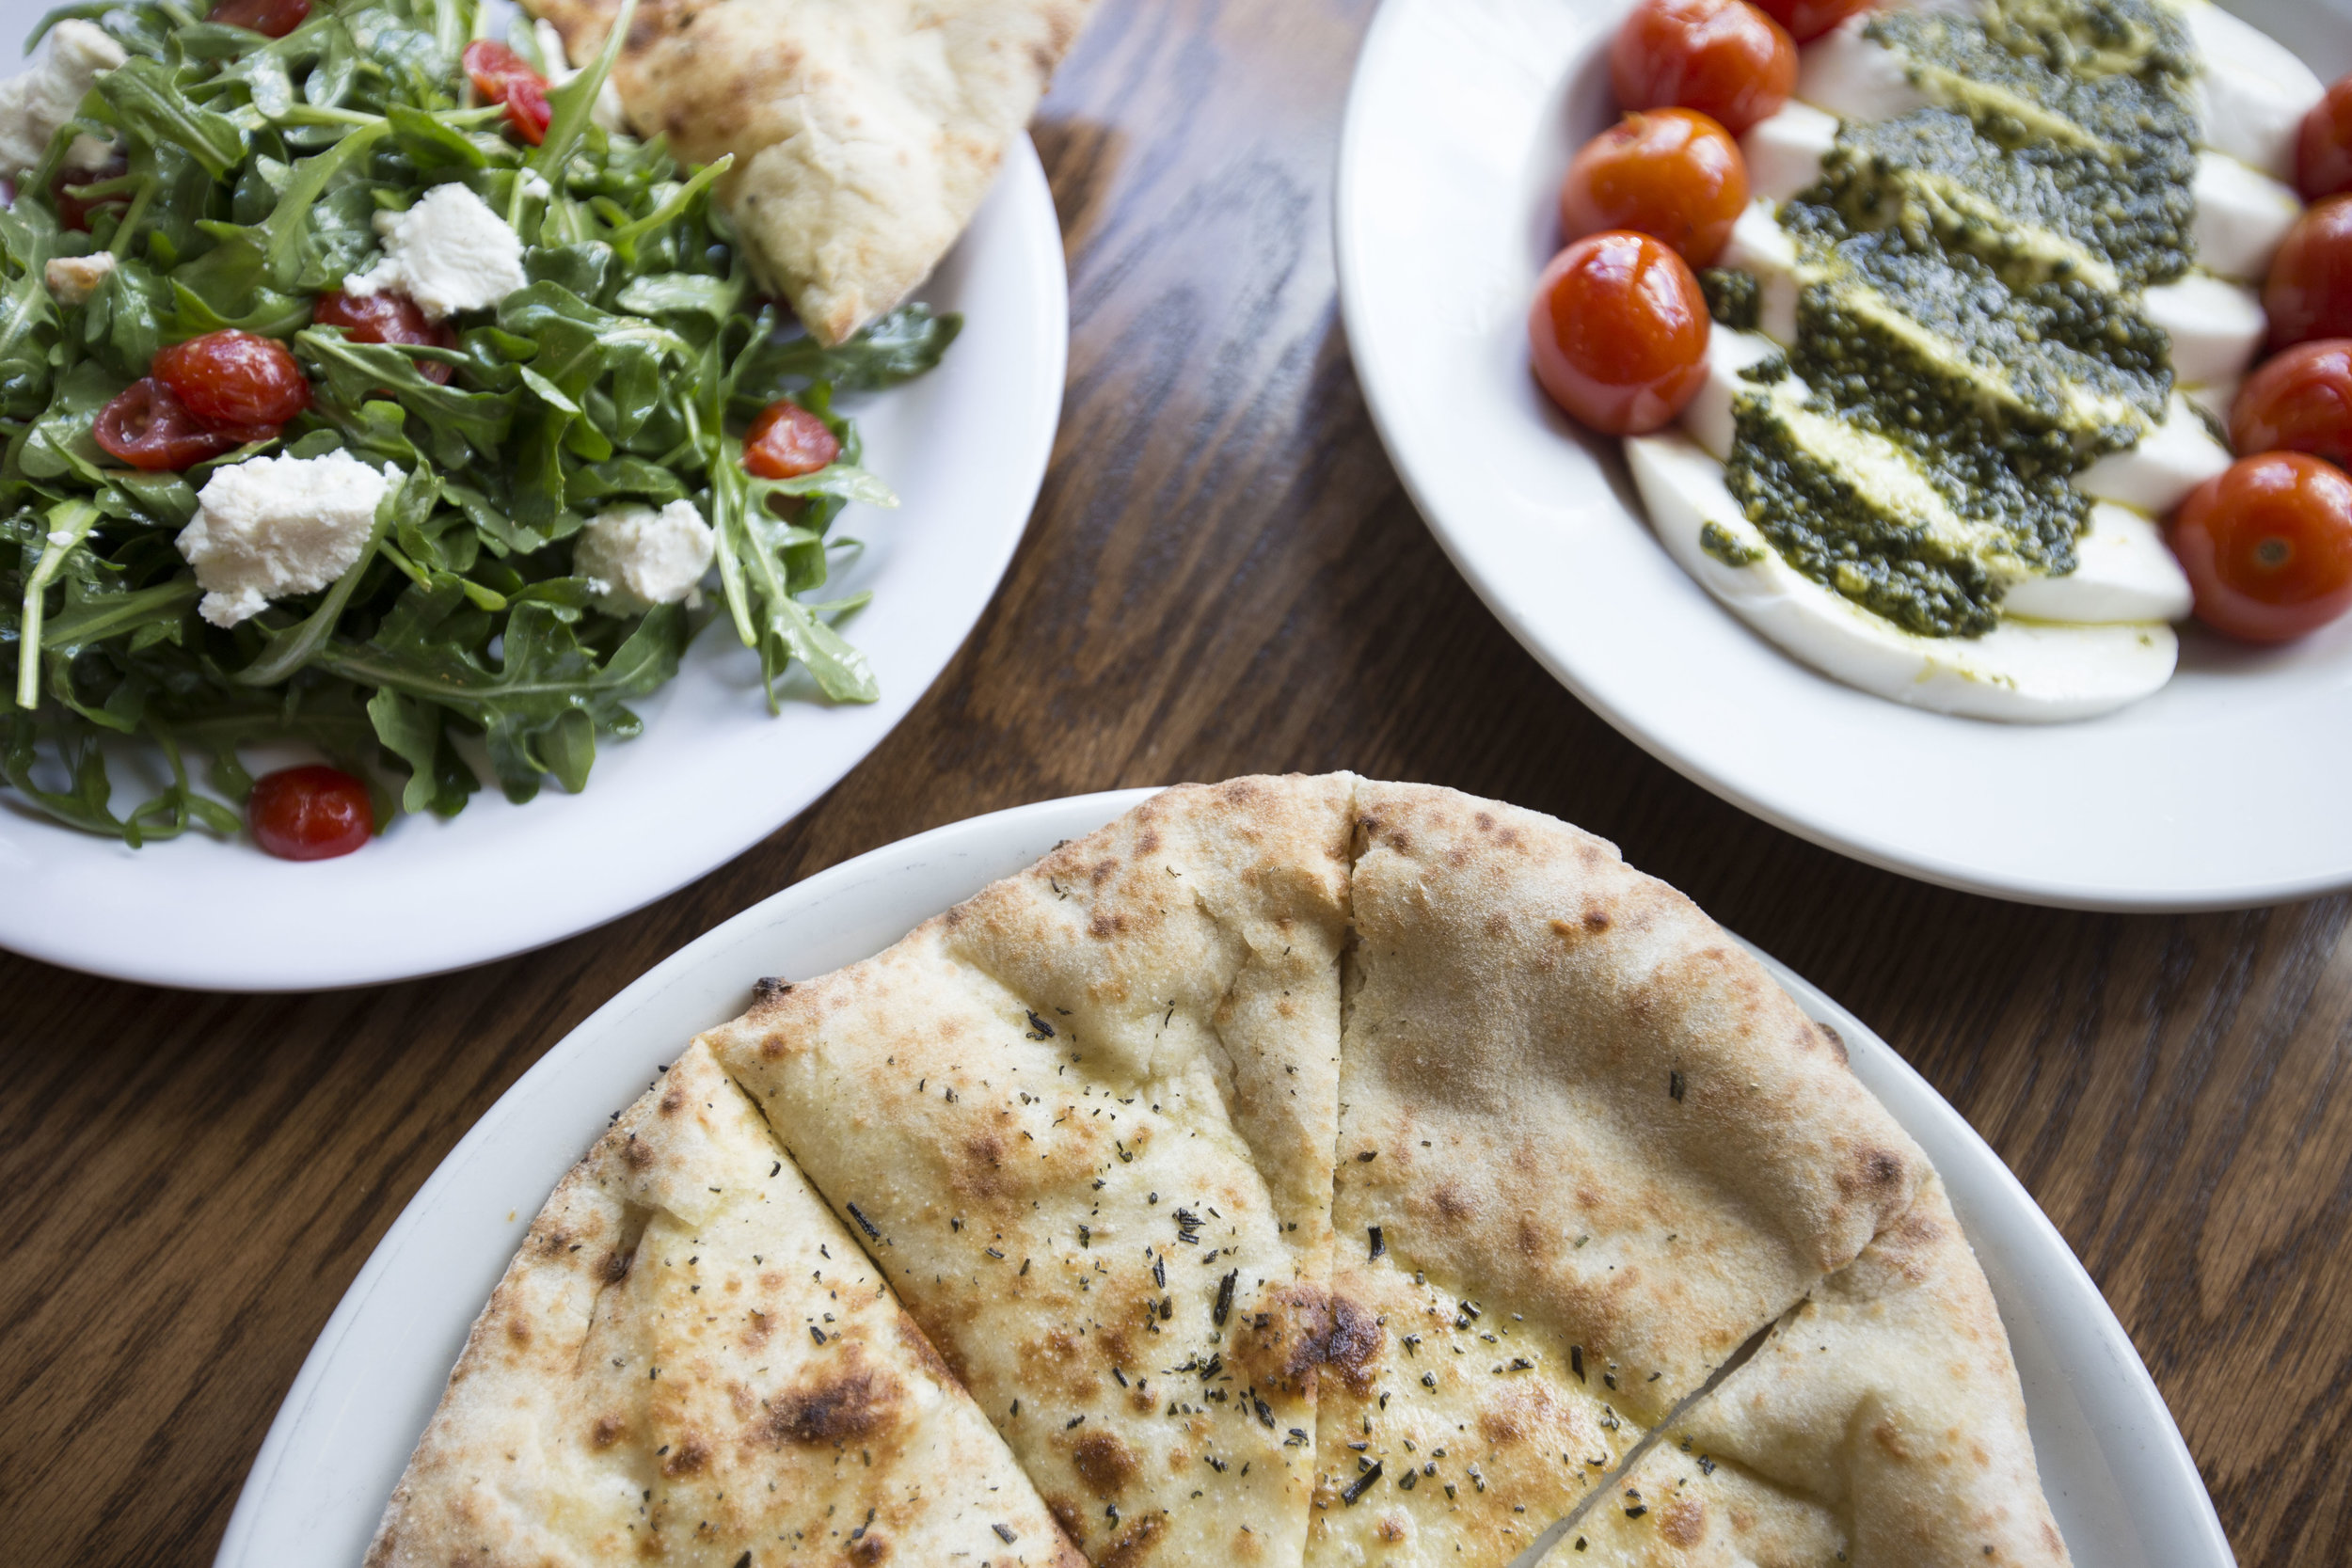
(310, 813)
(1673, 174)
(2299, 401)
(1807, 19)
(2308, 292)
(1619, 332)
(270, 18)
(2323, 147)
(235, 382)
(386, 318)
(501, 76)
(1721, 57)
(72, 211)
(2267, 547)
(787, 442)
(146, 427)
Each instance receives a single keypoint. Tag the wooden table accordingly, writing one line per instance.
(1223, 577)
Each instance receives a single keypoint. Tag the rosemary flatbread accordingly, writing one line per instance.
(689, 1361)
(1085, 1123)
(864, 132)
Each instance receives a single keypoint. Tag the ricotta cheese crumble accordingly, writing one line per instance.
(635, 558)
(35, 103)
(449, 252)
(275, 526)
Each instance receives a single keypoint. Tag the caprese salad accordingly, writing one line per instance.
(1926, 328)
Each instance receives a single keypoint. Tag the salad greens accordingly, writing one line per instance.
(623, 374)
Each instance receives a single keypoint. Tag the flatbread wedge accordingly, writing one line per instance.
(1083, 1122)
(864, 132)
(689, 1361)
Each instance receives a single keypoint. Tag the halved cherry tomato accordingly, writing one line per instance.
(146, 427)
(270, 18)
(1673, 174)
(1619, 332)
(235, 382)
(310, 813)
(2323, 147)
(72, 211)
(387, 318)
(1721, 57)
(501, 76)
(2267, 547)
(1807, 19)
(2299, 401)
(2309, 291)
(787, 442)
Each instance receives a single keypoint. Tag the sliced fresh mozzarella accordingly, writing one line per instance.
(2157, 475)
(2252, 93)
(1784, 150)
(2215, 398)
(2019, 670)
(2241, 217)
(1853, 78)
(2123, 571)
(1708, 417)
(1762, 248)
(2215, 325)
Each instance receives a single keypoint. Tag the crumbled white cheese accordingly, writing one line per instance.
(35, 103)
(607, 111)
(635, 558)
(275, 526)
(449, 253)
(72, 280)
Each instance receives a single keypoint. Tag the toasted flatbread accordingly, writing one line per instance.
(1681, 1508)
(689, 1361)
(1085, 1122)
(864, 132)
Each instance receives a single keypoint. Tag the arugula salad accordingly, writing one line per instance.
(358, 387)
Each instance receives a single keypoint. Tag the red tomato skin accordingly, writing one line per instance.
(310, 813)
(72, 211)
(386, 318)
(1619, 333)
(1673, 174)
(501, 76)
(1723, 58)
(2267, 547)
(270, 18)
(1807, 20)
(787, 442)
(2309, 291)
(2300, 400)
(146, 427)
(2322, 145)
(235, 381)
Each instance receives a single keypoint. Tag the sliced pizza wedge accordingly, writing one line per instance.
(1681, 1508)
(1084, 1123)
(689, 1361)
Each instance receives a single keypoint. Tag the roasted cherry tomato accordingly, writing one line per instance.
(2308, 292)
(1807, 20)
(386, 318)
(2323, 147)
(501, 76)
(787, 442)
(2267, 547)
(1673, 174)
(73, 211)
(310, 813)
(1721, 57)
(2299, 401)
(1619, 332)
(270, 18)
(149, 428)
(235, 381)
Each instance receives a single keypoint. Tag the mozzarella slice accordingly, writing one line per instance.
(2215, 398)
(1853, 78)
(1784, 151)
(2241, 217)
(2123, 571)
(2215, 325)
(2157, 475)
(1708, 416)
(1761, 247)
(2252, 93)
(2020, 671)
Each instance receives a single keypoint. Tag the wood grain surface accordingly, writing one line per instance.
(1223, 575)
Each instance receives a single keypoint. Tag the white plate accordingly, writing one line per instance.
(2224, 789)
(2120, 1478)
(713, 773)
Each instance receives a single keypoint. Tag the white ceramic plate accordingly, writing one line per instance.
(966, 449)
(2223, 789)
(2119, 1477)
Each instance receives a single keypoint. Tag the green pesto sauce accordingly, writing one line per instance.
(1716, 541)
(1973, 272)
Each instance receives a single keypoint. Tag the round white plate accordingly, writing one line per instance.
(2119, 1477)
(2223, 789)
(966, 449)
